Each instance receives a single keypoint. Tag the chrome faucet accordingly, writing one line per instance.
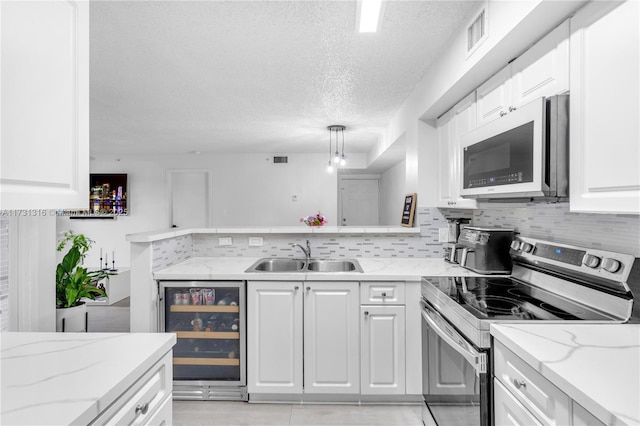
(307, 251)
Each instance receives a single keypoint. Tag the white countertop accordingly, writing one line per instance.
(147, 237)
(598, 366)
(233, 268)
(69, 378)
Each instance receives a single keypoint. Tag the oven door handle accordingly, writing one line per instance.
(477, 359)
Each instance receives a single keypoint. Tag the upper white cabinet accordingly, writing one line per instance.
(605, 135)
(451, 126)
(543, 70)
(44, 155)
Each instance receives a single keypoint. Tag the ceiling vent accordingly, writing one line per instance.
(280, 160)
(477, 31)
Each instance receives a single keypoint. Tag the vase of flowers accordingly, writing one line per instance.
(314, 220)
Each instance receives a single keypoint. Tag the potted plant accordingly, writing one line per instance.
(74, 283)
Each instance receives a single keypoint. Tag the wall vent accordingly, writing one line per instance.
(280, 160)
(477, 30)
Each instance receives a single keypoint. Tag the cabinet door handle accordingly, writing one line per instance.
(366, 313)
(308, 288)
(512, 108)
(142, 408)
(519, 383)
(296, 288)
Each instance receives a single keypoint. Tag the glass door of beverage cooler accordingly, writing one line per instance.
(208, 318)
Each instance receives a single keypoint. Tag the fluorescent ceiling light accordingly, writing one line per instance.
(369, 15)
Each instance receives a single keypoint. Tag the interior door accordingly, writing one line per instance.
(359, 202)
(188, 199)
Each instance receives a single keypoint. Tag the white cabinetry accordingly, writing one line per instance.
(44, 156)
(331, 331)
(146, 402)
(522, 396)
(451, 126)
(382, 338)
(543, 70)
(276, 324)
(274, 337)
(604, 105)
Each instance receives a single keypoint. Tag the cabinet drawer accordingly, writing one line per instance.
(140, 402)
(508, 411)
(538, 395)
(382, 293)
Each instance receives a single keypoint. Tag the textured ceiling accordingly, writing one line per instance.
(254, 76)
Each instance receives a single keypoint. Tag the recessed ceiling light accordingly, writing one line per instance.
(369, 15)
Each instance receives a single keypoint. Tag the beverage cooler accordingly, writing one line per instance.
(209, 320)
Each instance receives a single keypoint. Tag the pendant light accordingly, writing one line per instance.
(336, 158)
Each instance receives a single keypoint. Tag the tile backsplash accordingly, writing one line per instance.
(171, 251)
(554, 222)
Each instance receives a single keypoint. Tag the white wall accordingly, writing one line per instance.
(247, 189)
(392, 192)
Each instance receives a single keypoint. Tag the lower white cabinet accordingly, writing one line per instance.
(278, 315)
(382, 344)
(522, 396)
(146, 402)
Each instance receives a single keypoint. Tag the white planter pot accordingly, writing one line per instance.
(74, 318)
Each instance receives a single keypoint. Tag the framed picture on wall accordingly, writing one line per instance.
(408, 210)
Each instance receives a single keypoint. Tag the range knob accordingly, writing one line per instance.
(515, 245)
(591, 261)
(611, 265)
(527, 247)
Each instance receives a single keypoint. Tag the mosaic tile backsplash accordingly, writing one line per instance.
(553, 222)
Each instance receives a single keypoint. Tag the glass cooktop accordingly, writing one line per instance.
(506, 298)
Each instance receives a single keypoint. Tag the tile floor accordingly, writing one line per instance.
(242, 413)
(115, 318)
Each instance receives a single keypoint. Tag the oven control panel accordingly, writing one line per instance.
(604, 264)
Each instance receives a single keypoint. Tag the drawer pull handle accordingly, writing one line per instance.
(142, 408)
(384, 294)
(366, 313)
(519, 383)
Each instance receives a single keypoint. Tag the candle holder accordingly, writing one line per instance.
(106, 265)
(113, 266)
(101, 263)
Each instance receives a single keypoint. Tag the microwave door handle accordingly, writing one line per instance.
(477, 359)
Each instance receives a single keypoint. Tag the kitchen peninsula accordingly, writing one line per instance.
(86, 378)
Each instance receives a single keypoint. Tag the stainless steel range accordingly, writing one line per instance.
(549, 282)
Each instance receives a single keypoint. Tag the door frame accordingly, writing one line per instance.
(343, 177)
(170, 173)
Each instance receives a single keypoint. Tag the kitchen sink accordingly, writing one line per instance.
(334, 266)
(279, 264)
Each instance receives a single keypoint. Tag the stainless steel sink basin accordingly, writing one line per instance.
(279, 264)
(334, 266)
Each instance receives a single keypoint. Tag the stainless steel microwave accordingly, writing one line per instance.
(523, 154)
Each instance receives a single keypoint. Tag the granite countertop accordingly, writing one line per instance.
(598, 366)
(233, 268)
(70, 378)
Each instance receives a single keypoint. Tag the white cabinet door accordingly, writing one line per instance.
(604, 105)
(44, 155)
(446, 197)
(274, 337)
(543, 70)
(494, 97)
(451, 126)
(383, 349)
(508, 410)
(331, 343)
